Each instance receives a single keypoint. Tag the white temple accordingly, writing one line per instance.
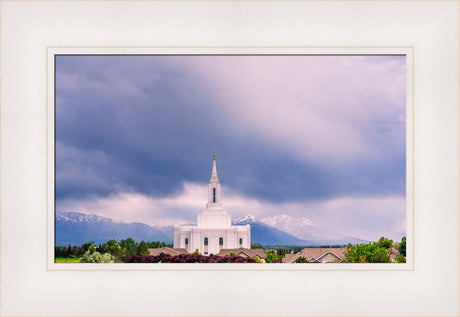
(214, 230)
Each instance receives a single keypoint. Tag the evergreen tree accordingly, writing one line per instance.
(115, 250)
(143, 248)
(402, 246)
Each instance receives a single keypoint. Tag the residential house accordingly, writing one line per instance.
(166, 250)
(245, 253)
(318, 255)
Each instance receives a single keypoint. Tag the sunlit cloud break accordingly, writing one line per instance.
(350, 216)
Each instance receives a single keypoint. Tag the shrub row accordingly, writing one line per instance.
(188, 258)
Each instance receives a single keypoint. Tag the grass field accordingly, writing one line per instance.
(66, 260)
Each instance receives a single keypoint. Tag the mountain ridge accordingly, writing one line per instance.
(303, 228)
(75, 228)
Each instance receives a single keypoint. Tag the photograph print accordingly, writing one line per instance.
(258, 159)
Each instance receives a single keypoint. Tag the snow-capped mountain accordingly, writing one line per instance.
(245, 220)
(77, 217)
(76, 228)
(268, 235)
(298, 227)
(303, 228)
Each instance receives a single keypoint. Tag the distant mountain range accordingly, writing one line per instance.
(268, 235)
(76, 228)
(304, 229)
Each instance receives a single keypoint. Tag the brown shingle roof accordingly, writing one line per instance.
(290, 257)
(250, 253)
(315, 254)
(167, 250)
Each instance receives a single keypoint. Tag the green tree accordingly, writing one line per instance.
(301, 259)
(131, 248)
(270, 257)
(366, 253)
(91, 250)
(153, 244)
(281, 253)
(124, 253)
(402, 246)
(115, 250)
(385, 243)
(60, 251)
(85, 246)
(143, 248)
(88, 245)
(158, 244)
(111, 242)
(400, 259)
(75, 251)
(129, 243)
(256, 246)
(380, 255)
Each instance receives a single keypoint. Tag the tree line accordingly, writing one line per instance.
(377, 252)
(119, 251)
(383, 251)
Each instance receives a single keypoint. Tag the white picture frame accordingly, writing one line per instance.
(426, 31)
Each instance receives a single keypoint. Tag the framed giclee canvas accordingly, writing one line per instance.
(333, 124)
(308, 176)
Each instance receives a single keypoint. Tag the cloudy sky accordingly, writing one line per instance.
(318, 137)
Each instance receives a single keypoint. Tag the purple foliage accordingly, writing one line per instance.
(188, 258)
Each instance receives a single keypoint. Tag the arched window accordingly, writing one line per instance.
(213, 195)
(221, 241)
(205, 241)
(186, 240)
(241, 241)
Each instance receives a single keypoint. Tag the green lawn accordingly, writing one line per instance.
(66, 260)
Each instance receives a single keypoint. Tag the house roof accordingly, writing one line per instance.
(166, 250)
(393, 253)
(315, 254)
(290, 257)
(250, 253)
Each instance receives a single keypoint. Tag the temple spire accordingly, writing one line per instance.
(214, 178)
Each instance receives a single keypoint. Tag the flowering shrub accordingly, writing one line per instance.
(96, 257)
(188, 258)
